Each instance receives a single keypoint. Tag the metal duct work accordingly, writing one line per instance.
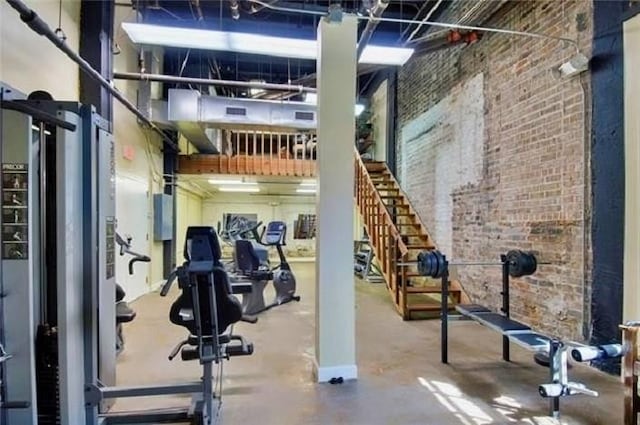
(194, 114)
(376, 12)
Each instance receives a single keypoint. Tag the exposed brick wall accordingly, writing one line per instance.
(531, 191)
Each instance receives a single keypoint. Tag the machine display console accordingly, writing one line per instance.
(275, 234)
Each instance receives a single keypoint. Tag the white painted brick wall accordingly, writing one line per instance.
(441, 148)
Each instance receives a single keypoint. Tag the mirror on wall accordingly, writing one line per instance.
(304, 226)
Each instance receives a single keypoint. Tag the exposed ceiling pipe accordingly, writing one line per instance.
(210, 82)
(376, 13)
(255, 8)
(196, 5)
(426, 18)
(39, 26)
(235, 9)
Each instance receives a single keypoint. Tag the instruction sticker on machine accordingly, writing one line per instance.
(15, 217)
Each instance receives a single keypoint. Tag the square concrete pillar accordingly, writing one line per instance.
(335, 291)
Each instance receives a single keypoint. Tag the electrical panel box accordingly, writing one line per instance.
(162, 217)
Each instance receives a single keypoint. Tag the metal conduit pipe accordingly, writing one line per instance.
(255, 8)
(209, 82)
(39, 26)
(235, 9)
(376, 12)
(434, 24)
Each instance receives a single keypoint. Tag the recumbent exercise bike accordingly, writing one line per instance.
(206, 308)
(249, 264)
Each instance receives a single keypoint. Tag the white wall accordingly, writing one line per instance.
(632, 165)
(188, 213)
(146, 162)
(29, 61)
(379, 109)
(268, 208)
(447, 151)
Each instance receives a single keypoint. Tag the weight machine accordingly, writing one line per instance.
(58, 253)
(206, 308)
(57, 271)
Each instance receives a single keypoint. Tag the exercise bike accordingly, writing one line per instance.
(240, 228)
(124, 313)
(249, 265)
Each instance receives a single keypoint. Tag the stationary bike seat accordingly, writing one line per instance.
(124, 313)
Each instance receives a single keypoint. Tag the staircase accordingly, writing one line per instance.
(398, 235)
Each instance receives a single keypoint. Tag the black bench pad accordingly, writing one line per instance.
(498, 322)
(467, 309)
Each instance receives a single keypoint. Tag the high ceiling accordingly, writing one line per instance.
(254, 18)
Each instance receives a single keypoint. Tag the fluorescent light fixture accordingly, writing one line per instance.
(305, 190)
(312, 98)
(240, 182)
(191, 38)
(239, 189)
(303, 184)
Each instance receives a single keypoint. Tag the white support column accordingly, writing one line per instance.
(335, 291)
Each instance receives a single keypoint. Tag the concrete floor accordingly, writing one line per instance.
(401, 379)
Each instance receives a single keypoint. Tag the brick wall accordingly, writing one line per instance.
(530, 192)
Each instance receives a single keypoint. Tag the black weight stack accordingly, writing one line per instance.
(47, 375)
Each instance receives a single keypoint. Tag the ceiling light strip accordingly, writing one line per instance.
(192, 38)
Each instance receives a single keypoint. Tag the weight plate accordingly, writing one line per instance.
(433, 267)
(422, 263)
(514, 259)
(521, 263)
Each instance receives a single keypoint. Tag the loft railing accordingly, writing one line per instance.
(256, 153)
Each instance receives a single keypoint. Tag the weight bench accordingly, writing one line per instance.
(547, 351)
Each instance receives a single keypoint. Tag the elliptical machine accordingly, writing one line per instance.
(249, 265)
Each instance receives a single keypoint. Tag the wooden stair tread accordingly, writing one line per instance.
(407, 224)
(391, 196)
(420, 246)
(397, 206)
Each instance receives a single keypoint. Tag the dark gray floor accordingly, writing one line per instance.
(401, 379)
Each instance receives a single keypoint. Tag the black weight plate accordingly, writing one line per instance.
(433, 264)
(533, 263)
(440, 263)
(515, 260)
(521, 263)
(423, 267)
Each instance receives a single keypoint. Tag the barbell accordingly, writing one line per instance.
(433, 263)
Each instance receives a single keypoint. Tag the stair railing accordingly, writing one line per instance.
(385, 238)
